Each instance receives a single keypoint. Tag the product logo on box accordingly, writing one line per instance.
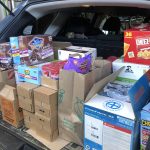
(113, 105)
(36, 43)
(27, 72)
(143, 41)
(129, 70)
(145, 123)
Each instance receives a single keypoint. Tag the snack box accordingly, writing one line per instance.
(63, 54)
(145, 126)
(137, 45)
(5, 56)
(31, 74)
(33, 49)
(131, 72)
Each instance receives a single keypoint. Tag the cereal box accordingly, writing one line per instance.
(145, 126)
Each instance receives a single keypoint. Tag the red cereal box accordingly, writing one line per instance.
(137, 45)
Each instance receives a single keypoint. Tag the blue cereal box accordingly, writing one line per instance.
(31, 74)
(112, 124)
(145, 126)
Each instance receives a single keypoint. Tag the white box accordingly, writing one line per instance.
(64, 54)
(131, 72)
(111, 124)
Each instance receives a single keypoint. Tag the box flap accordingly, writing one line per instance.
(101, 84)
(113, 106)
(140, 93)
(147, 107)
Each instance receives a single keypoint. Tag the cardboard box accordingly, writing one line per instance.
(137, 46)
(59, 45)
(26, 96)
(45, 101)
(32, 49)
(30, 120)
(73, 90)
(145, 126)
(8, 77)
(11, 112)
(114, 124)
(63, 54)
(46, 110)
(131, 72)
(30, 74)
(47, 127)
(49, 82)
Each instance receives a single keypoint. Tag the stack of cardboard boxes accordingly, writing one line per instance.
(26, 102)
(46, 112)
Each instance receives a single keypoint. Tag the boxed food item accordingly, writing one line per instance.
(34, 49)
(5, 56)
(29, 120)
(26, 96)
(137, 46)
(8, 77)
(63, 54)
(30, 74)
(15, 50)
(45, 101)
(73, 90)
(52, 69)
(145, 126)
(47, 127)
(131, 72)
(111, 123)
(11, 112)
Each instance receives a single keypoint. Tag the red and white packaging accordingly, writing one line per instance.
(137, 45)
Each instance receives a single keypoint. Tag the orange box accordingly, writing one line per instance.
(137, 45)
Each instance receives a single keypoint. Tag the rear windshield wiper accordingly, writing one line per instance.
(11, 13)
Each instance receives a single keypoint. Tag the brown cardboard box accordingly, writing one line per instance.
(49, 82)
(26, 96)
(46, 127)
(46, 110)
(26, 104)
(11, 112)
(29, 120)
(8, 77)
(45, 101)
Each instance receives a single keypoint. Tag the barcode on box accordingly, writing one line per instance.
(131, 54)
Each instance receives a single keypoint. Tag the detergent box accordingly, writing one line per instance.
(145, 126)
(31, 74)
(112, 124)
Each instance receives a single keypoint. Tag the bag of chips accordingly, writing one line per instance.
(80, 65)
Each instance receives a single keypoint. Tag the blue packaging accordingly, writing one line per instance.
(145, 126)
(14, 43)
(112, 124)
(31, 74)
